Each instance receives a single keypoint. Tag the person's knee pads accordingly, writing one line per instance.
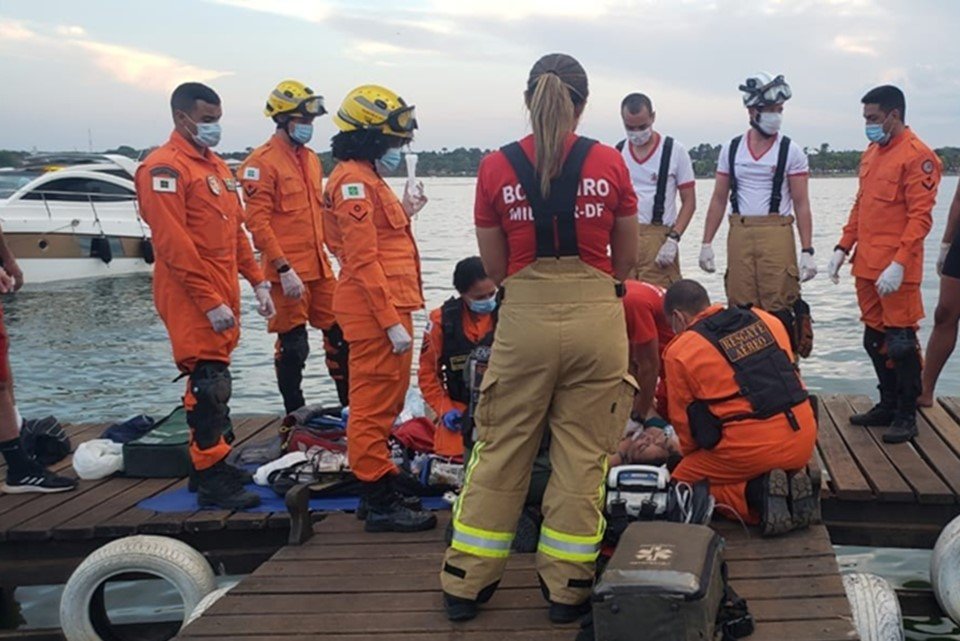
(901, 343)
(294, 347)
(211, 386)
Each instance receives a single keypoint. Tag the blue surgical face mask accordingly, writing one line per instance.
(208, 133)
(302, 132)
(875, 133)
(483, 305)
(390, 159)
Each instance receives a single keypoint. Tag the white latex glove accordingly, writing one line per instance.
(836, 262)
(707, 261)
(291, 284)
(890, 279)
(265, 305)
(668, 252)
(808, 267)
(221, 318)
(413, 199)
(944, 248)
(400, 338)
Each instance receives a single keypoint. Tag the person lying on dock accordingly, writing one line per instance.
(741, 412)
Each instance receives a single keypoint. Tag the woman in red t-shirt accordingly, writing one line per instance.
(556, 224)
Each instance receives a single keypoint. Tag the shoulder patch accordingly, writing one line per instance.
(164, 170)
(251, 173)
(358, 211)
(353, 191)
(927, 166)
(164, 184)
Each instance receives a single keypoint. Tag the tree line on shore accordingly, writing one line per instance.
(461, 161)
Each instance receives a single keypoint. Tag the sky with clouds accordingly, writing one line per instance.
(107, 66)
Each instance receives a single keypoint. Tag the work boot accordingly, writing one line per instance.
(804, 500)
(902, 430)
(412, 502)
(775, 515)
(243, 476)
(880, 415)
(35, 478)
(565, 613)
(386, 511)
(220, 486)
(458, 609)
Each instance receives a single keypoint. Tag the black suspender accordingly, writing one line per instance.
(776, 195)
(554, 218)
(660, 198)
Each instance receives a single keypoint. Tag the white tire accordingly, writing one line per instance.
(876, 610)
(169, 559)
(206, 602)
(945, 569)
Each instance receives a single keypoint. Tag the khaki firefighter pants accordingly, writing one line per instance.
(652, 238)
(762, 262)
(559, 359)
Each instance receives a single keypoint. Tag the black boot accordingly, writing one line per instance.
(243, 477)
(292, 351)
(337, 353)
(565, 613)
(804, 500)
(412, 502)
(881, 414)
(386, 511)
(769, 495)
(458, 609)
(904, 350)
(902, 430)
(220, 486)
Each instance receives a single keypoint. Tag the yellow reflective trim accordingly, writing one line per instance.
(602, 521)
(563, 555)
(490, 535)
(478, 551)
(576, 539)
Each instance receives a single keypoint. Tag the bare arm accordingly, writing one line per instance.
(688, 205)
(718, 205)
(9, 261)
(494, 252)
(953, 221)
(623, 246)
(800, 193)
(645, 367)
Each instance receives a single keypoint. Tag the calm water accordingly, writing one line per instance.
(96, 351)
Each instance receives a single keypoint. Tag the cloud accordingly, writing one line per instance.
(510, 10)
(300, 9)
(128, 65)
(863, 45)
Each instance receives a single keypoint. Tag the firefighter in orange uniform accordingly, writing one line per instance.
(282, 181)
(190, 199)
(740, 410)
(455, 329)
(380, 286)
(890, 219)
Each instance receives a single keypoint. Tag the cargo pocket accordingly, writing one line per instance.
(487, 413)
(293, 196)
(619, 413)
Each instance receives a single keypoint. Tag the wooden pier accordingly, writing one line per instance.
(874, 494)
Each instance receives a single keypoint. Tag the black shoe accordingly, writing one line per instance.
(38, 480)
(876, 416)
(243, 476)
(412, 502)
(902, 430)
(804, 500)
(458, 609)
(775, 515)
(220, 486)
(564, 613)
(387, 511)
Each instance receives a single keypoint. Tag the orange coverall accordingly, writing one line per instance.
(430, 375)
(380, 285)
(889, 221)
(191, 203)
(695, 369)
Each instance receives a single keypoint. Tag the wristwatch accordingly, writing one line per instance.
(807, 250)
(283, 269)
(674, 235)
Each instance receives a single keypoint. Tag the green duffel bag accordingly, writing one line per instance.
(664, 581)
(163, 452)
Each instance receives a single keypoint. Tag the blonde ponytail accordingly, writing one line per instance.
(553, 117)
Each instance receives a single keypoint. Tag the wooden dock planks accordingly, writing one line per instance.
(345, 584)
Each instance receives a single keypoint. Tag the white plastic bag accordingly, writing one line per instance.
(413, 406)
(98, 459)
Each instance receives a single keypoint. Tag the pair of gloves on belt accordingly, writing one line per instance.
(887, 283)
(808, 265)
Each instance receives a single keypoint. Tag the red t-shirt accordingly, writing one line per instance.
(605, 193)
(643, 308)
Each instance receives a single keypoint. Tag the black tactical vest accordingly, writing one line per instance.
(457, 348)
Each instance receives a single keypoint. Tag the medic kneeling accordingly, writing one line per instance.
(741, 412)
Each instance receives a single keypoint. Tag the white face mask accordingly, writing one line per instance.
(640, 138)
(769, 122)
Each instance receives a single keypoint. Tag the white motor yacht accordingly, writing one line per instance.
(68, 216)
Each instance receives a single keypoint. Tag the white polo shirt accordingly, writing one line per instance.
(644, 173)
(755, 175)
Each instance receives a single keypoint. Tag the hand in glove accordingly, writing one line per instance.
(413, 199)
(808, 267)
(833, 267)
(707, 261)
(221, 318)
(453, 420)
(944, 249)
(668, 253)
(399, 338)
(890, 279)
(291, 284)
(265, 306)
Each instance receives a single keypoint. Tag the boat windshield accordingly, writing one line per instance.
(11, 181)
